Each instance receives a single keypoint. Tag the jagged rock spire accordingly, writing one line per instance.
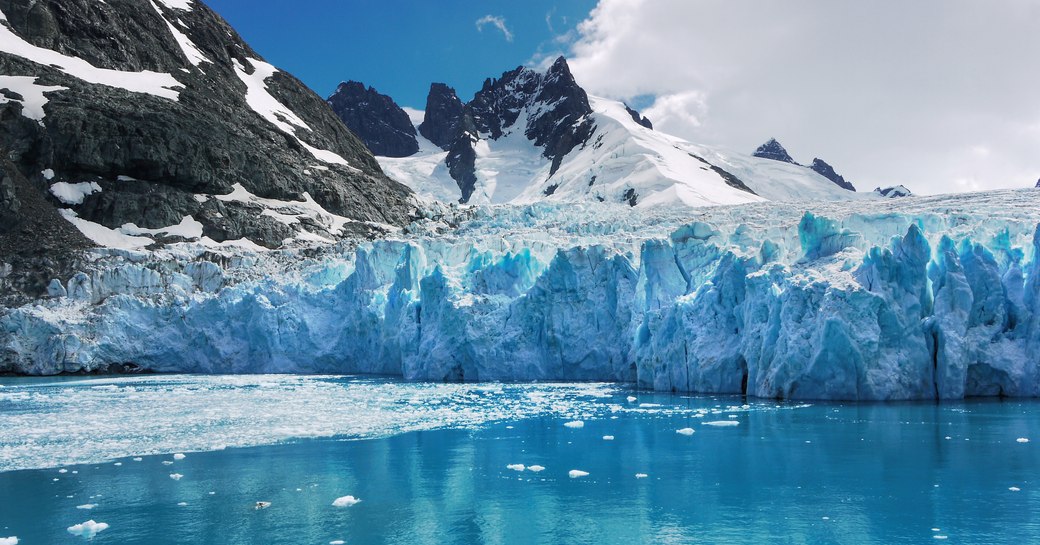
(773, 150)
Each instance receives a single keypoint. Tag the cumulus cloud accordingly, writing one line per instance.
(497, 22)
(939, 95)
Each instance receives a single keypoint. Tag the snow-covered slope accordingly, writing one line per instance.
(877, 299)
(617, 160)
(623, 162)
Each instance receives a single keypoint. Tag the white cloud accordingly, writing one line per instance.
(497, 22)
(887, 91)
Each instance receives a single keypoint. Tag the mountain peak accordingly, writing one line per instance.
(823, 169)
(773, 150)
(380, 123)
(443, 110)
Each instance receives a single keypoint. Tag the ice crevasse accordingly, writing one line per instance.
(933, 297)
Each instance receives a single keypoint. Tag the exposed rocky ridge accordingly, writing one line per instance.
(641, 119)
(375, 118)
(894, 192)
(823, 169)
(156, 157)
(554, 110)
(441, 119)
(773, 150)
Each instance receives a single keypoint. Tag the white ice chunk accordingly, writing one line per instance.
(722, 423)
(515, 467)
(641, 475)
(178, 456)
(608, 437)
(345, 501)
(13, 540)
(87, 529)
(574, 424)
(536, 468)
(87, 506)
(685, 431)
(176, 476)
(1022, 440)
(576, 473)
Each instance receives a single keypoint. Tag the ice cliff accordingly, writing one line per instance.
(930, 297)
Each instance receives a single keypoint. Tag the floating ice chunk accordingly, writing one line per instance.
(631, 399)
(1014, 488)
(337, 542)
(63, 470)
(138, 458)
(936, 530)
(608, 437)
(182, 504)
(13, 540)
(641, 475)
(721, 423)
(732, 416)
(178, 456)
(87, 506)
(536, 468)
(87, 529)
(575, 473)
(345, 501)
(176, 476)
(575, 424)
(167, 463)
(940, 537)
(649, 405)
(262, 505)
(117, 464)
(515, 467)
(1022, 440)
(685, 431)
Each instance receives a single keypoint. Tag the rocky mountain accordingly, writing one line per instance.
(821, 167)
(893, 192)
(143, 122)
(442, 115)
(375, 118)
(773, 150)
(533, 135)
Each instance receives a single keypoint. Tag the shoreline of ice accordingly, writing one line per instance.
(918, 298)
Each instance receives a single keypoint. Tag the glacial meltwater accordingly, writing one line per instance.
(324, 460)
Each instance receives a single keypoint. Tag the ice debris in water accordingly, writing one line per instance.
(87, 529)
(575, 473)
(1022, 439)
(536, 468)
(182, 504)
(262, 505)
(685, 431)
(13, 540)
(631, 399)
(575, 424)
(86, 506)
(176, 476)
(608, 437)
(167, 463)
(641, 475)
(345, 501)
(178, 456)
(337, 542)
(138, 458)
(722, 423)
(515, 467)
(1014, 489)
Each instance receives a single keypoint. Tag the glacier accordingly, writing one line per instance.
(918, 298)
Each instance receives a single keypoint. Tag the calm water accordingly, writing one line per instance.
(822, 473)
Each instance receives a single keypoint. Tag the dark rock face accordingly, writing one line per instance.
(642, 120)
(773, 150)
(202, 143)
(555, 111)
(823, 169)
(894, 192)
(443, 112)
(1038, 183)
(380, 123)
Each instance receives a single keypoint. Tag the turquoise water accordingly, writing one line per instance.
(790, 474)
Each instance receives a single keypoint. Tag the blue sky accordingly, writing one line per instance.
(400, 46)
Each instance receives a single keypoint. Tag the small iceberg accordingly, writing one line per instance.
(13, 540)
(574, 424)
(178, 456)
(641, 475)
(685, 431)
(515, 467)
(608, 437)
(1022, 440)
(87, 506)
(722, 423)
(575, 473)
(176, 476)
(87, 529)
(536, 468)
(345, 501)
(262, 505)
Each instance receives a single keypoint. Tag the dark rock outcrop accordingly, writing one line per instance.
(152, 155)
(641, 119)
(380, 123)
(893, 192)
(823, 169)
(555, 111)
(441, 119)
(773, 150)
